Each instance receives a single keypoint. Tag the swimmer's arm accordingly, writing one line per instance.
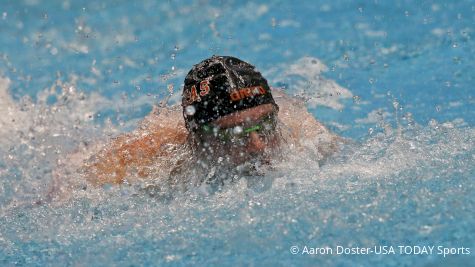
(132, 150)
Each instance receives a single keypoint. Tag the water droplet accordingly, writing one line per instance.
(89, 116)
(395, 104)
(237, 130)
(433, 123)
(170, 88)
(190, 110)
(54, 51)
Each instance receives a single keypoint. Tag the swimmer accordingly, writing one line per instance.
(229, 117)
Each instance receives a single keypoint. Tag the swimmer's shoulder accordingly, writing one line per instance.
(302, 126)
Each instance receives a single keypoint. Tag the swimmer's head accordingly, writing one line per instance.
(220, 86)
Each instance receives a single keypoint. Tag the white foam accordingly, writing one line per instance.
(13, 118)
(375, 116)
(387, 155)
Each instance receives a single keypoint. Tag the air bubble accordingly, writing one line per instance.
(190, 110)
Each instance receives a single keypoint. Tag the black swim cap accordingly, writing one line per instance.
(219, 86)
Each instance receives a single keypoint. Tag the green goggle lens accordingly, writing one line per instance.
(228, 133)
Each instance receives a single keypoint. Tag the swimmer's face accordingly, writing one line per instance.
(241, 136)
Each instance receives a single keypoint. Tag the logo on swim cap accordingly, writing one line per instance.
(219, 86)
(247, 92)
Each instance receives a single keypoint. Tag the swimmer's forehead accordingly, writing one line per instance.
(245, 116)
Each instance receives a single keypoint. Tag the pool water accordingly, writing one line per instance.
(395, 78)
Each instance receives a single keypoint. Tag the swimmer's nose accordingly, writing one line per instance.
(255, 143)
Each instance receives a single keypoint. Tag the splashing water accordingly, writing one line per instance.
(408, 184)
(408, 181)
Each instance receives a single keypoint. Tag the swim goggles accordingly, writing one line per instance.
(265, 127)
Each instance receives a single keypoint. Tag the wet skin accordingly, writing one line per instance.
(244, 146)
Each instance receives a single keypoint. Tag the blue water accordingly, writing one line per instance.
(398, 83)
